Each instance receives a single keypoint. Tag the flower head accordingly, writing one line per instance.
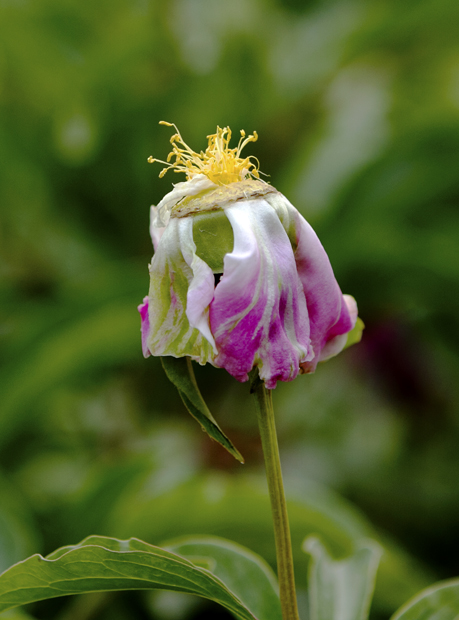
(239, 278)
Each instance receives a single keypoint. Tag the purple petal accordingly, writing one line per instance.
(259, 315)
(328, 312)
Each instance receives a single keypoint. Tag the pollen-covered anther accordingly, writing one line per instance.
(220, 163)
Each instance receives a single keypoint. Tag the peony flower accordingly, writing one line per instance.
(239, 279)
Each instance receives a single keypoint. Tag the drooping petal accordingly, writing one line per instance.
(329, 314)
(177, 278)
(201, 287)
(258, 315)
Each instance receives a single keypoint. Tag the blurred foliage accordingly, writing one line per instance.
(357, 108)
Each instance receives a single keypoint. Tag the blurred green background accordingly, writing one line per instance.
(357, 107)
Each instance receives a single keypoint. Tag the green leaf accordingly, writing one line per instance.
(439, 602)
(238, 508)
(245, 573)
(103, 564)
(341, 589)
(180, 372)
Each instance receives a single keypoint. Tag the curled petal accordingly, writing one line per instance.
(201, 287)
(171, 278)
(258, 315)
(329, 314)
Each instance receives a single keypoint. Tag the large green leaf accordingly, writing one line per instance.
(341, 589)
(241, 570)
(238, 508)
(439, 602)
(233, 507)
(180, 372)
(103, 564)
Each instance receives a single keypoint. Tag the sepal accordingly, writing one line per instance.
(180, 372)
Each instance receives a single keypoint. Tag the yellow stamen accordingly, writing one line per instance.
(219, 163)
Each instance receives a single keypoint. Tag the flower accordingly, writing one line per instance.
(239, 279)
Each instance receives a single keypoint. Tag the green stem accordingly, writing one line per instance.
(278, 505)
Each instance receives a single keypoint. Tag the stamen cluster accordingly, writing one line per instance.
(221, 164)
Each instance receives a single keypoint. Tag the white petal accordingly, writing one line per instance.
(155, 232)
(201, 288)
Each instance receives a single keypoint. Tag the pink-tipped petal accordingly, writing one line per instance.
(330, 315)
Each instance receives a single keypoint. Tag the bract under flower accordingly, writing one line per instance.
(248, 285)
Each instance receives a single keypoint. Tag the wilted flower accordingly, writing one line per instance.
(239, 278)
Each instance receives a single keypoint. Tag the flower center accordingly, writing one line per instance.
(218, 163)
